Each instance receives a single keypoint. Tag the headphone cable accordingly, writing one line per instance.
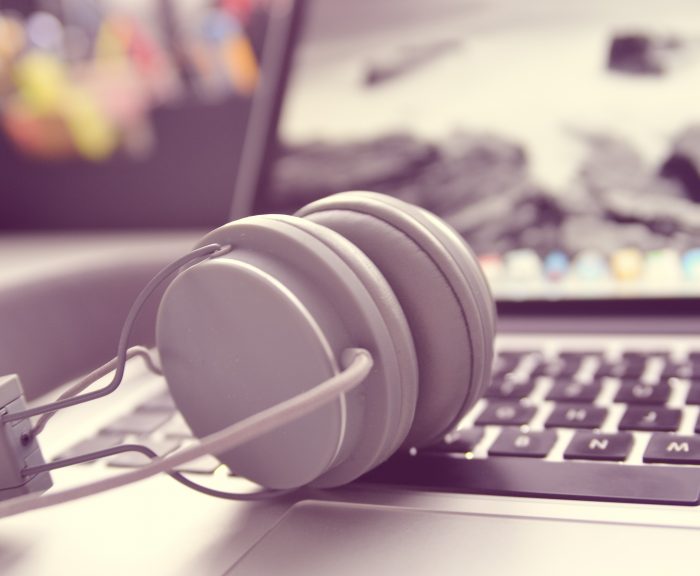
(356, 362)
(146, 451)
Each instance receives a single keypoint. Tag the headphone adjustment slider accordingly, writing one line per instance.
(19, 449)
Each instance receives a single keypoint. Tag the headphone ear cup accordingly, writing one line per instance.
(269, 319)
(442, 292)
(395, 320)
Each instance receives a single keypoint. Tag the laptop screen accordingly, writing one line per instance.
(561, 139)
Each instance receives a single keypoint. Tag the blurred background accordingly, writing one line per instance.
(562, 139)
(124, 113)
(122, 126)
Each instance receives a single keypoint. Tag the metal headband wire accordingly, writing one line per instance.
(356, 363)
(187, 260)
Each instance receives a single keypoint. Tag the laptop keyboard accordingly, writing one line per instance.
(573, 424)
(581, 406)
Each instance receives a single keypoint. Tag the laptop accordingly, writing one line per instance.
(582, 456)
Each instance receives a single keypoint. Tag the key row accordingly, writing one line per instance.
(204, 465)
(629, 392)
(662, 447)
(653, 419)
(631, 355)
(629, 365)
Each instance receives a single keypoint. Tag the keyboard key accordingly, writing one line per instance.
(139, 423)
(503, 364)
(204, 465)
(687, 370)
(631, 369)
(509, 390)
(562, 367)
(671, 369)
(568, 391)
(93, 444)
(506, 414)
(633, 360)
(513, 442)
(516, 354)
(673, 449)
(500, 374)
(627, 370)
(693, 394)
(639, 393)
(576, 416)
(582, 354)
(136, 459)
(161, 402)
(693, 372)
(638, 355)
(590, 446)
(176, 427)
(652, 419)
(458, 441)
(606, 369)
(568, 366)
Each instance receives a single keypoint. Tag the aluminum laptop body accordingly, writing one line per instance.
(581, 457)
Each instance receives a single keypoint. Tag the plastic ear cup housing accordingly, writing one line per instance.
(254, 327)
(269, 319)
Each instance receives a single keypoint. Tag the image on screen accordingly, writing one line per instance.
(561, 139)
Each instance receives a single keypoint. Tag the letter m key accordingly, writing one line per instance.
(677, 446)
(673, 449)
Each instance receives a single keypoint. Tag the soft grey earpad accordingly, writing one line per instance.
(392, 314)
(447, 311)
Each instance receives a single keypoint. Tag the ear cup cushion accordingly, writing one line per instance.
(474, 280)
(467, 260)
(447, 310)
(391, 312)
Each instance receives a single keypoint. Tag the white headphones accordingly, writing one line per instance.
(245, 330)
(301, 350)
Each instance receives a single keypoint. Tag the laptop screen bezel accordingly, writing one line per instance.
(260, 148)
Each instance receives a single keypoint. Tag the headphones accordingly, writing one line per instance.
(260, 324)
(301, 350)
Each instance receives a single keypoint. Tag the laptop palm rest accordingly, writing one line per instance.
(319, 538)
